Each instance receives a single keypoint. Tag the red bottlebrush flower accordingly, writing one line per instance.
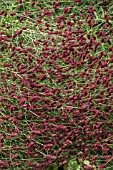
(52, 49)
(66, 10)
(104, 64)
(13, 134)
(19, 1)
(5, 14)
(89, 167)
(24, 28)
(29, 48)
(102, 166)
(73, 16)
(36, 42)
(14, 35)
(79, 31)
(2, 12)
(90, 10)
(39, 85)
(61, 127)
(2, 99)
(82, 15)
(48, 146)
(38, 21)
(82, 107)
(29, 145)
(8, 137)
(105, 149)
(20, 44)
(47, 24)
(99, 33)
(27, 13)
(13, 13)
(6, 65)
(86, 150)
(50, 157)
(32, 3)
(25, 51)
(1, 38)
(22, 100)
(19, 32)
(14, 77)
(37, 132)
(1, 33)
(111, 57)
(24, 66)
(6, 39)
(22, 71)
(82, 74)
(3, 47)
(92, 87)
(56, 4)
(42, 76)
(62, 163)
(108, 40)
(13, 48)
(110, 49)
(48, 94)
(106, 18)
(80, 153)
(78, 1)
(14, 156)
(47, 12)
(55, 8)
(30, 163)
(68, 142)
(95, 47)
(16, 163)
(11, 109)
(24, 106)
(2, 163)
(21, 19)
(7, 27)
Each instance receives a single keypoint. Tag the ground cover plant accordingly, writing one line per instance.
(56, 85)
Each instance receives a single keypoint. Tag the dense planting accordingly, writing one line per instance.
(56, 84)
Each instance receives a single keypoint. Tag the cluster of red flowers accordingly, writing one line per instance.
(56, 92)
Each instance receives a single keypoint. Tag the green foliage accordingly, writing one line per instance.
(72, 165)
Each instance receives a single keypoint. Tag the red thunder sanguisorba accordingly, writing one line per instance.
(56, 84)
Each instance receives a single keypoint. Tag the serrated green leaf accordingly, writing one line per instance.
(86, 162)
(55, 167)
(79, 167)
(72, 165)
